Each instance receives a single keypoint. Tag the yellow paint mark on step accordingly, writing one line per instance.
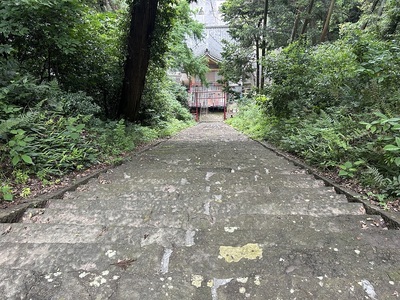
(234, 254)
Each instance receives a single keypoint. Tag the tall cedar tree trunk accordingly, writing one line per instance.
(264, 43)
(327, 21)
(307, 20)
(143, 19)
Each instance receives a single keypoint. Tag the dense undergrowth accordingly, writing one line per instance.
(335, 105)
(61, 134)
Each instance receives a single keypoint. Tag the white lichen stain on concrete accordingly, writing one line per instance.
(197, 280)
(189, 238)
(230, 229)
(111, 253)
(48, 277)
(257, 280)
(216, 284)
(165, 260)
(368, 288)
(242, 290)
(105, 273)
(217, 198)
(97, 281)
(83, 274)
(242, 279)
(207, 208)
(115, 277)
(235, 254)
(208, 175)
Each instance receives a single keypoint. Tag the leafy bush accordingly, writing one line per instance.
(357, 72)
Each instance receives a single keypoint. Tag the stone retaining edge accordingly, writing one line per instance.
(14, 214)
(391, 219)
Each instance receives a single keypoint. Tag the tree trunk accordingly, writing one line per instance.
(307, 20)
(327, 21)
(264, 43)
(295, 27)
(143, 19)
(374, 4)
(257, 64)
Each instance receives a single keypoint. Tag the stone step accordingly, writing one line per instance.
(50, 258)
(197, 226)
(286, 189)
(313, 208)
(139, 181)
(92, 234)
(153, 217)
(189, 165)
(71, 271)
(291, 223)
(201, 172)
(212, 252)
(204, 193)
(177, 215)
(26, 284)
(188, 201)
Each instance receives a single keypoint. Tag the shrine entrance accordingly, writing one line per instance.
(208, 103)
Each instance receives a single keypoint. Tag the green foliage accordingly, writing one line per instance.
(26, 192)
(180, 56)
(332, 141)
(252, 120)
(6, 193)
(19, 147)
(349, 169)
(162, 99)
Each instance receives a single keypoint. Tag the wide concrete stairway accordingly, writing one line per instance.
(208, 214)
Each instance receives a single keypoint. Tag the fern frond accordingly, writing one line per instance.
(378, 178)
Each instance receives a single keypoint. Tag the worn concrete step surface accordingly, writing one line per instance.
(277, 165)
(284, 189)
(205, 178)
(25, 284)
(212, 251)
(183, 200)
(206, 192)
(153, 217)
(196, 226)
(57, 271)
(178, 216)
